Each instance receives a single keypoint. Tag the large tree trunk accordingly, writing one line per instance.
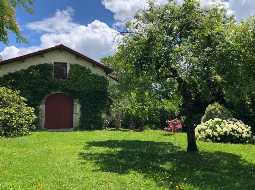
(188, 109)
(190, 127)
(191, 138)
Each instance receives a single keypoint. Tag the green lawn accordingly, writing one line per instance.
(122, 160)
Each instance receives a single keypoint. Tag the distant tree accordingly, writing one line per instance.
(178, 43)
(139, 97)
(236, 68)
(8, 21)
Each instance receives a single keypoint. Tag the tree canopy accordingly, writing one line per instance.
(196, 49)
(8, 21)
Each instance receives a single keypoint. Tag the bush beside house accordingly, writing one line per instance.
(16, 118)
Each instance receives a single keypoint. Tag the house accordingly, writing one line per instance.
(67, 89)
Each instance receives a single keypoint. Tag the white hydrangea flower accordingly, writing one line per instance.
(218, 129)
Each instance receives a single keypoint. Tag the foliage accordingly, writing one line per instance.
(177, 44)
(206, 55)
(16, 118)
(8, 18)
(140, 99)
(227, 131)
(122, 159)
(36, 82)
(237, 69)
(216, 110)
(141, 108)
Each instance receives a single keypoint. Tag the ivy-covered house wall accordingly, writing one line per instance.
(89, 88)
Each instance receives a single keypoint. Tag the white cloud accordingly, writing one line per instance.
(95, 40)
(9, 52)
(124, 10)
(56, 24)
(242, 8)
(208, 3)
(12, 51)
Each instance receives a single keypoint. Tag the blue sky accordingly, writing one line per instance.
(89, 26)
(85, 13)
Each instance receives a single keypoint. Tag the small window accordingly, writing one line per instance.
(60, 71)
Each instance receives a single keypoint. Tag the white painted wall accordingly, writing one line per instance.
(50, 58)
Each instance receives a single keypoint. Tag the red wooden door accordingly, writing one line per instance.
(58, 112)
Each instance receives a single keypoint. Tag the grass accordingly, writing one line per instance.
(122, 160)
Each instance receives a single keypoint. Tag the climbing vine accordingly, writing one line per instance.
(36, 82)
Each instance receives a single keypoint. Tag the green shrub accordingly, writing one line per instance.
(16, 118)
(216, 110)
(227, 131)
(132, 121)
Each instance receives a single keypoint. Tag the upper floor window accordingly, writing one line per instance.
(60, 70)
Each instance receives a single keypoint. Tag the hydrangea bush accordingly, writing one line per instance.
(16, 118)
(216, 110)
(227, 131)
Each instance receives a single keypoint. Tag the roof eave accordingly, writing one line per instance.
(106, 69)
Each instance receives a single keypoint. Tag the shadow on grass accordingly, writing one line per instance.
(168, 134)
(169, 166)
(117, 129)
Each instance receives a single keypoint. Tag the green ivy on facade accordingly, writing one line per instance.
(91, 90)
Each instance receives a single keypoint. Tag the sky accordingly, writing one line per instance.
(91, 27)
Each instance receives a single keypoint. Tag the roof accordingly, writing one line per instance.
(106, 69)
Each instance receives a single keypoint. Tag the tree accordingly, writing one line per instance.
(178, 43)
(139, 98)
(8, 21)
(238, 71)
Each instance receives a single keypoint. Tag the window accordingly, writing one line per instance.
(60, 71)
